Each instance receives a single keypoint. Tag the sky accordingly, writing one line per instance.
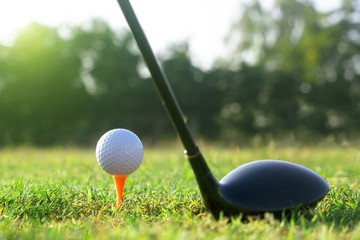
(202, 23)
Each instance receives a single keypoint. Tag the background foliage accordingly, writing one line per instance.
(294, 74)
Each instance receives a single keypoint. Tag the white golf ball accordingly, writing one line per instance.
(119, 152)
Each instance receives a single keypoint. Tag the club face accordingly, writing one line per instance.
(272, 186)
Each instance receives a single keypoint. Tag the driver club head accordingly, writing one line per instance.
(273, 186)
(261, 186)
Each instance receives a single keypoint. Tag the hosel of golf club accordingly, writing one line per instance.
(207, 183)
(209, 186)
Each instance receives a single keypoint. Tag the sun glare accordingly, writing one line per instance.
(17, 14)
(165, 22)
(13, 16)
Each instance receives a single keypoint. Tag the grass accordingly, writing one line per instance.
(59, 193)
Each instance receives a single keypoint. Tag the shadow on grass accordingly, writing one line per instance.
(340, 209)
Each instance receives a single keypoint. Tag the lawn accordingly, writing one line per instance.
(61, 193)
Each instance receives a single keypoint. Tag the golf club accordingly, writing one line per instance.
(252, 189)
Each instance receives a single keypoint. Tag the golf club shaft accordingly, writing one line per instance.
(160, 79)
(208, 184)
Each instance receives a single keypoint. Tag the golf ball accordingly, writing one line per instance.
(119, 152)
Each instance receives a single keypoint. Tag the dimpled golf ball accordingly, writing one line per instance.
(119, 152)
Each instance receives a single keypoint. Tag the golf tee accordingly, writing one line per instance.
(119, 184)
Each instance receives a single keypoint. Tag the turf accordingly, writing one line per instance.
(61, 193)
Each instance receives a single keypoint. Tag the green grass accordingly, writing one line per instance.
(62, 193)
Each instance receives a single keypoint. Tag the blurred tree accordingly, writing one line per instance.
(111, 67)
(311, 63)
(41, 100)
(303, 78)
(197, 94)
